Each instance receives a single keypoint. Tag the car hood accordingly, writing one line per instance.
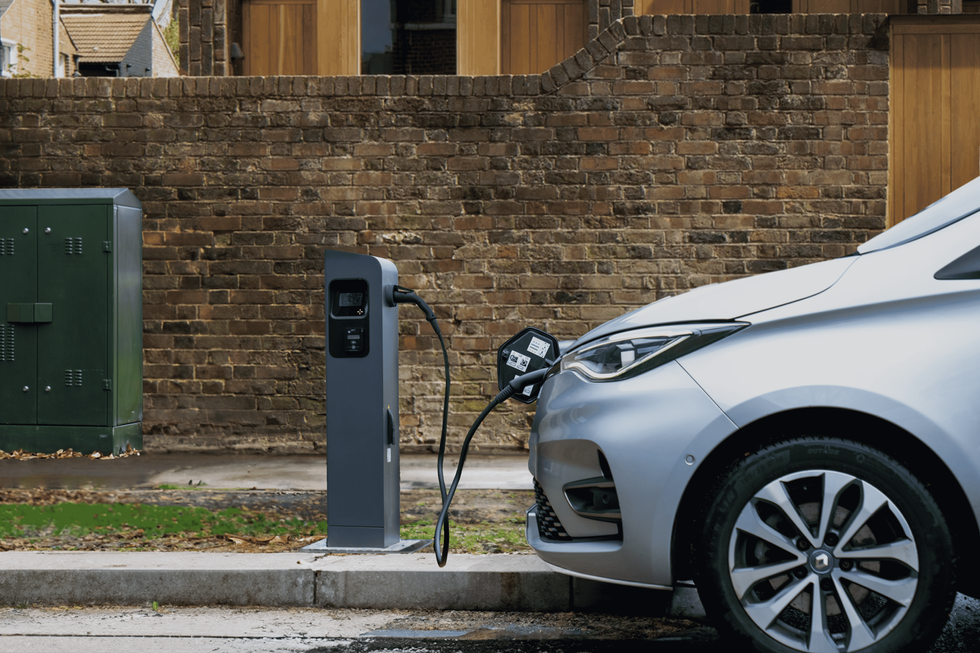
(730, 300)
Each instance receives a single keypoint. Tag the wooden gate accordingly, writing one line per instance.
(279, 37)
(537, 34)
(935, 109)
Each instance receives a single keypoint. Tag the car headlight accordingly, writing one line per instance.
(629, 353)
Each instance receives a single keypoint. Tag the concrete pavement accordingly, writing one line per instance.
(468, 582)
(300, 579)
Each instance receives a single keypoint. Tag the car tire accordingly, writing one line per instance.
(831, 519)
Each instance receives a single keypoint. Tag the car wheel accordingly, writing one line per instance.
(816, 544)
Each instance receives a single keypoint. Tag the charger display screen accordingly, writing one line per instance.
(351, 299)
(348, 298)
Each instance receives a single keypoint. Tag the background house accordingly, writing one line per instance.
(118, 40)
(28, 46)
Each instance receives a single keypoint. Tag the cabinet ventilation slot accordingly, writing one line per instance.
(6, 246)
(6, 343)
(73, 377)
(73, 246)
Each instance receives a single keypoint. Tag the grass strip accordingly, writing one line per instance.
(96, 526)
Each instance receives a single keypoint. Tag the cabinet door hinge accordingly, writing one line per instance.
(107, 384)
(106, 245)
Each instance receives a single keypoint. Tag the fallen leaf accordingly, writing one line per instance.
(61, 454)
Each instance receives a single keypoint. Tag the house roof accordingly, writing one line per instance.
(104, 35)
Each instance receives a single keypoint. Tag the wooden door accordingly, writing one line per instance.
(935, 101)
(279, 37)
(537, 34)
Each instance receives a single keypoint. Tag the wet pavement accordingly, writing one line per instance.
(245, 472)
(170, 629)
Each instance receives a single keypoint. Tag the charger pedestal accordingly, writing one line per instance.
(363, 508)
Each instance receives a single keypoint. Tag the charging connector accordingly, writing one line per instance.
(395, 295)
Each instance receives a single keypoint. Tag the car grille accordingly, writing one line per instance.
(549, 526)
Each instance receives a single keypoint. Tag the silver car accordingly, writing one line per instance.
(803, 446)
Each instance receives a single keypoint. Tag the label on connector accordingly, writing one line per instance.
(528, 390)
(538, 347)
(519, 361)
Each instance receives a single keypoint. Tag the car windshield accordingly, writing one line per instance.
(957, 205)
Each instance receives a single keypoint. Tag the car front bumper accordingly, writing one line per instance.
(652, 431)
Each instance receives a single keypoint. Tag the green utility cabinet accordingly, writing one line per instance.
(71, 320)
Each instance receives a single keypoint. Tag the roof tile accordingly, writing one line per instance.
(104, 37)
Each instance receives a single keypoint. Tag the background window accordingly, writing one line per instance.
(771, 7)
(8, 59)
(408, 37)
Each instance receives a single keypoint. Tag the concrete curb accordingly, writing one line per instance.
(412, 581)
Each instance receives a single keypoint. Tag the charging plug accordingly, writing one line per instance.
(395, 295)
(518, 383)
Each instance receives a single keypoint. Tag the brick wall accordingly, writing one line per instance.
(668, 154)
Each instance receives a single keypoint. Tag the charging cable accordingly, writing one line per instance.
(399, 295)
(442, 524)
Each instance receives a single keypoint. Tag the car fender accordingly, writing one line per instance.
(762, 377)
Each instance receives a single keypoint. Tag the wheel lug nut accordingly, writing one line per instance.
(832, 539)
(826, 584)
(846, 565)
(802, 544)
(800, 573)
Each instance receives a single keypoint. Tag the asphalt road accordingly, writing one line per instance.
(246, 630)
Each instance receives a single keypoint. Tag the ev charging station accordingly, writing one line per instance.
(361, 306)
(363, 509)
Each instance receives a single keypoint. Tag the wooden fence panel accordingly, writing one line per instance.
(280, 37)
(537, 34)
(935, 101)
